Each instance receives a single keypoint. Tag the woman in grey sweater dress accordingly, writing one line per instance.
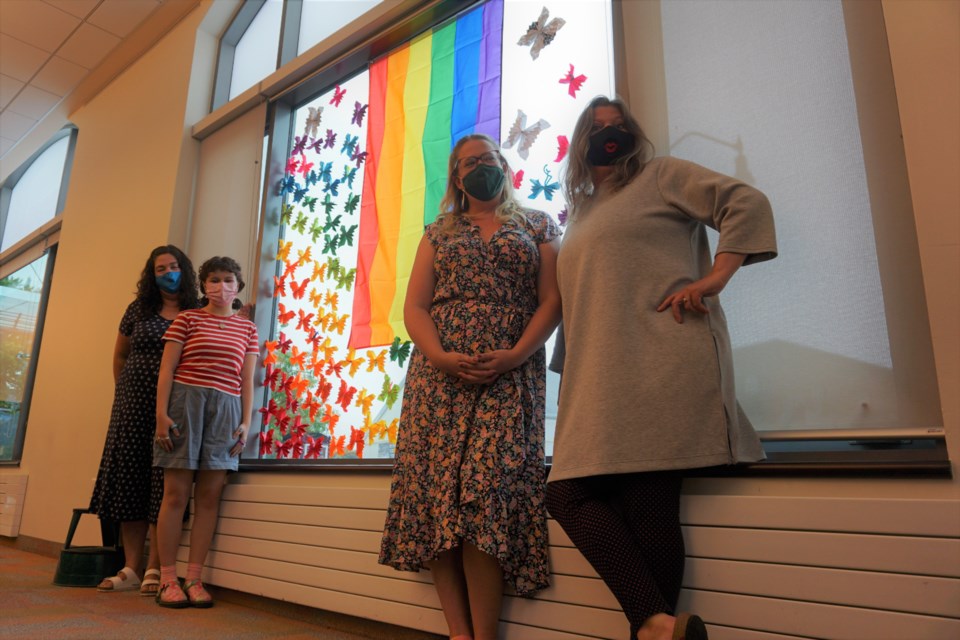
(647, 388)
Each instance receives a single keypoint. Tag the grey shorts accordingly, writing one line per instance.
(207, 420)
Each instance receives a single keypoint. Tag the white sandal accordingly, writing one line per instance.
(151, 583)
(125, 580)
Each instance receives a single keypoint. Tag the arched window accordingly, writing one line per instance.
(31, 200)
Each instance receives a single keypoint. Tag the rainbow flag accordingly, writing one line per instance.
(423, 98)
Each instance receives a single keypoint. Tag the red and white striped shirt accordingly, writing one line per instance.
(214, 348)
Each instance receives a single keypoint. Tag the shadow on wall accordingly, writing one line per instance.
(782, 385)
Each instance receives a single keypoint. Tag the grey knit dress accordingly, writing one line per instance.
(641, 392)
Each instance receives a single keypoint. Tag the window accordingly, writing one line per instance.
(318, 20)
(365, 171)
(30, 202)
(266, 34)
(826, 336)
(799, 102)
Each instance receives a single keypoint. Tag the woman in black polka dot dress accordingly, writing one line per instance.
(129, 489)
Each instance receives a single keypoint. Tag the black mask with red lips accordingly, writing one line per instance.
(609, 145)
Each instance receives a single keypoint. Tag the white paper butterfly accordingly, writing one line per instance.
(541, 33)
(313, 121)
(524, 134)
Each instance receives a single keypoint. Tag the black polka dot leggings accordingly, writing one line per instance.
(628, 527)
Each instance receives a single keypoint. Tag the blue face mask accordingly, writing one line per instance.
(169, 282)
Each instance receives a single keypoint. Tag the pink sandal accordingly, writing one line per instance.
(197, 595)
(172, 596)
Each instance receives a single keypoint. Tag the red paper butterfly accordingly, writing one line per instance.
(338, 94)
(574, 82)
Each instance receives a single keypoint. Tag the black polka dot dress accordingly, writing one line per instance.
(128, 487)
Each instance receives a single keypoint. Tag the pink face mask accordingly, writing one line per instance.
(221, 294)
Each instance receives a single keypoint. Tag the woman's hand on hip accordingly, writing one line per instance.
(690, 298)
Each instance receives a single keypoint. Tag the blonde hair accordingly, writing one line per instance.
(454, 203)
(578, 176)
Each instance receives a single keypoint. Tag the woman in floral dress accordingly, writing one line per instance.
(467, 492)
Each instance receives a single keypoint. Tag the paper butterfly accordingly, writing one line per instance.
(546, 187)
(313, 121)
(349, 144)
(330, 140)
(312, 178)
(358, 157)
(331, 187)
(286, 185)
(518, 179)
(574, 82)
(523, 134)
(299, 290)
(399, 351)
(562, 146)
(348, 175)
(324, 171)
(541, 33)
(562, 216)
(351, 204)
(338, 94)
(315, 145)
(298, 193)
(358, 112)
(298, 145)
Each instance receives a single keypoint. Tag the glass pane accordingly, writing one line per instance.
(34, 198)
(785, 83)
(366, 173)
(20, 295)
(256, 53)
(320, 18)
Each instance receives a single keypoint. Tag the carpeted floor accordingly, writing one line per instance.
(33, 608)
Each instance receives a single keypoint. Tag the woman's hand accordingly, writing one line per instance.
(500, 361)
(690, 298)
(464, 367)
(164, 424)
(240, 433)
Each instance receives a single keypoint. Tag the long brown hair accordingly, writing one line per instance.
(148, 293)
(578, 177)
(454, 203)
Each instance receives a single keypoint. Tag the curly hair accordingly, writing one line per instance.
(148, 293)
(578, 177)
(454, 202)
(221, 263)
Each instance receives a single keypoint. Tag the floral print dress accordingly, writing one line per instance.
(469, 459)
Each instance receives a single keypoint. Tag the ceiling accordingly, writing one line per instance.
(47, 47)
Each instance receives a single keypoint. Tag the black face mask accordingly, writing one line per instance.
(609, 145)
(484, 183)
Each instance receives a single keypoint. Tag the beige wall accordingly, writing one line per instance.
(126, 196)
(120, 204)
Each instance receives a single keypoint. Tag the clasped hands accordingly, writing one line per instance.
(480, 369)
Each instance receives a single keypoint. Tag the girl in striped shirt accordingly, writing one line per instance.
(204, 405)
